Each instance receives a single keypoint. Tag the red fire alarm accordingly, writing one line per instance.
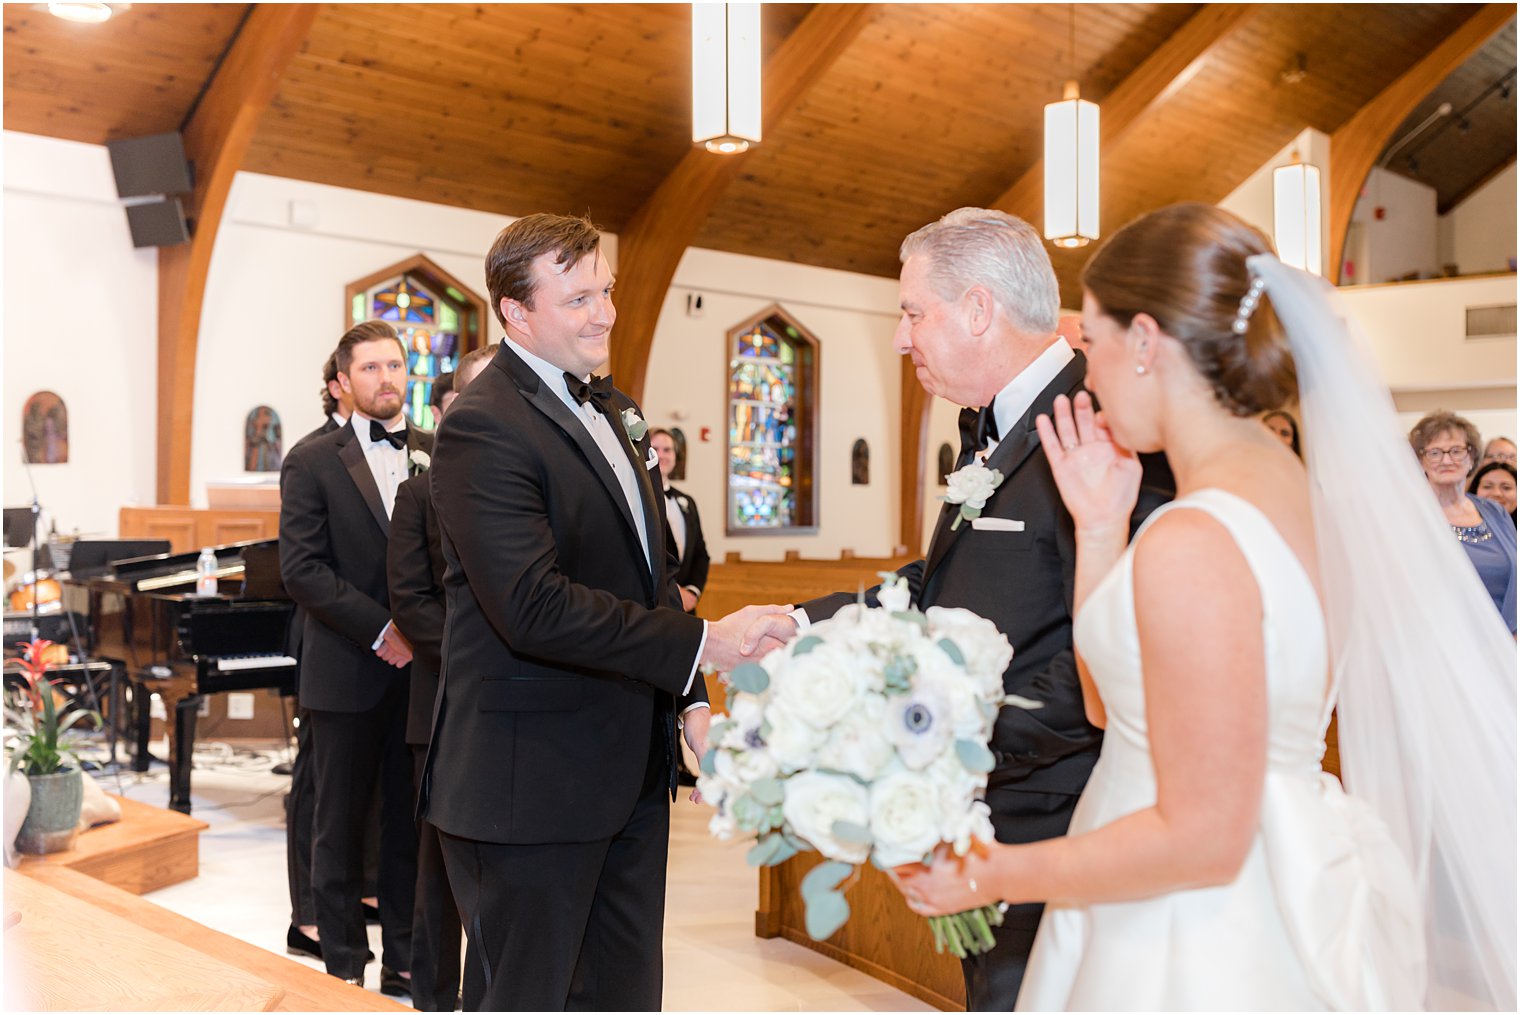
(706, 434)
(1380, 213)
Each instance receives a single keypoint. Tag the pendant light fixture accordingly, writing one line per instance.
(1296, 215)
(725, 76)
(1071, 163)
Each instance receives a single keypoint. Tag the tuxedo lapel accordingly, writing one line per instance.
(351, 454)
(560, 415)
(652, 515)
(1011, 453)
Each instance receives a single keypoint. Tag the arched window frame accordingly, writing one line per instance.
(807, 349)
(420, 268)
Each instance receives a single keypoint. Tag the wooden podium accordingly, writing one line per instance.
(883, 937)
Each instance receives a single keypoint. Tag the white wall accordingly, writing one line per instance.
(1252, 200)
(1403, 240)
(1478, 235)
(81, 319)
(853, 317)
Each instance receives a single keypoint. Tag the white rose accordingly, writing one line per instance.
(821, 687)
(814, 801)
(905, 817)
(894, 597)
(971, 485)
(919, 724)
(985, 648)
(743, 768)
(857, 745)
(792, 741)
(968, 824)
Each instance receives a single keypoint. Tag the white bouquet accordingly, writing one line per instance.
(865, 737)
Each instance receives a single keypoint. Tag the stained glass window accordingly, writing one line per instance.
(436, 320)
(772, 377)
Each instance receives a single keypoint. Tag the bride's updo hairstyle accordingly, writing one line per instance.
(1185, 266)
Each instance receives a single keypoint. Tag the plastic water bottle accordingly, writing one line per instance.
(205, 573)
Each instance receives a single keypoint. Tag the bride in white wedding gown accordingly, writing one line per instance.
(1210, 864)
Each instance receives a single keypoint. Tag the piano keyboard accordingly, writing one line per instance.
(231, 664)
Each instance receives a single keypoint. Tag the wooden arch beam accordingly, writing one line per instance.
(1161, 74)
(1357, 143)
(651, 244)
(217, 134)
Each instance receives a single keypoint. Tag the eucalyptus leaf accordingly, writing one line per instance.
(826, 913)
(784, 852)
(767, 791)
(968, 512)
(750, 678)
(710, 762)
(825, 877)
(851, 832)
(806, 644)
(953, 650)
(748, 813)
(976, 757)
(763, 853)
(912, 617)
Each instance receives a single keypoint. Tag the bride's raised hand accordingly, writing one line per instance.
(1098, 479)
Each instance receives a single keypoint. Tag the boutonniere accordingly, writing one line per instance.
(420, 460)
(634, 424)
(970, 486)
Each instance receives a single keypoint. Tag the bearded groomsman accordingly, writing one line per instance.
(566, 650)
(979, 318)
(337, 493)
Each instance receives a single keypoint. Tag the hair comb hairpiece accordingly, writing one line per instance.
(1248, 304)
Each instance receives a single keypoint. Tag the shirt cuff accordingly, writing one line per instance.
(695, 663)
(694, 590)
(389, 624)
(801, 617)
(695, 704)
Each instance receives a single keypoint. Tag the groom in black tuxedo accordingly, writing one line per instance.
(337, 492)
(979, 312)
(566, 655)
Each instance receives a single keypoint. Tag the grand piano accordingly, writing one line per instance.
(144, 616)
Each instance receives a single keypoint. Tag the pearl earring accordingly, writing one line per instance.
(1140, 369)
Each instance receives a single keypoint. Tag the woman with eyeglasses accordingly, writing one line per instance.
(1447, 446)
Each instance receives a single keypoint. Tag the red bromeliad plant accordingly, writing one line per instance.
(43, 746)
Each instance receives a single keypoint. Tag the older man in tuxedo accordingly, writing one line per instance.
(337, 493)
(979, 319)
(566, 650)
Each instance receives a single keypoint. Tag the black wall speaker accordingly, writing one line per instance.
(150, 165)
(158, 223)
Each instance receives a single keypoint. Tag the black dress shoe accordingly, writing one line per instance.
(393, 983)
(371, 913)
(297, 943)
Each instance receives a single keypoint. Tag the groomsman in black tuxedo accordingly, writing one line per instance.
(300, 803)
(979, 316)
(337, 495)
(566, 651)
(414, 563)
(685, 526)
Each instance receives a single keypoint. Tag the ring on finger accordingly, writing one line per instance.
(1070, 446)
(971, 884)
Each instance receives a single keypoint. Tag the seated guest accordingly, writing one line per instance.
(685, 525)
(1285, 427)
(1447, 446)
(1500, 449)
(1496, 482)
(414, 566)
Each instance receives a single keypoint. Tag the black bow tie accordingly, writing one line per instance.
(378, 433)
(978, 426)
(599, 388)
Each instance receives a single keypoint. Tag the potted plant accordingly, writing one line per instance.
(42, 751)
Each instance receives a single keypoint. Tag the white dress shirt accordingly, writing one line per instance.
(677, 519)
(386, 463)
(600, 428)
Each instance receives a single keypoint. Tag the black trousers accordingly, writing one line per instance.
(436, 929)
(993, 979)
(300, 811)
(575, 926)
(351, 753)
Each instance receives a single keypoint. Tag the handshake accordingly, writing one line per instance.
(747, 634)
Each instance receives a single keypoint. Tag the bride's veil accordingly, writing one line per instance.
(1425, 665)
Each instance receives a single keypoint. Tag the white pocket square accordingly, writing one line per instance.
(997, 524)
(653, 461)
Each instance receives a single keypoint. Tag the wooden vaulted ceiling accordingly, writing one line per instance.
(583, 108)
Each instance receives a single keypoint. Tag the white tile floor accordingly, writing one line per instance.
(713, 960)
